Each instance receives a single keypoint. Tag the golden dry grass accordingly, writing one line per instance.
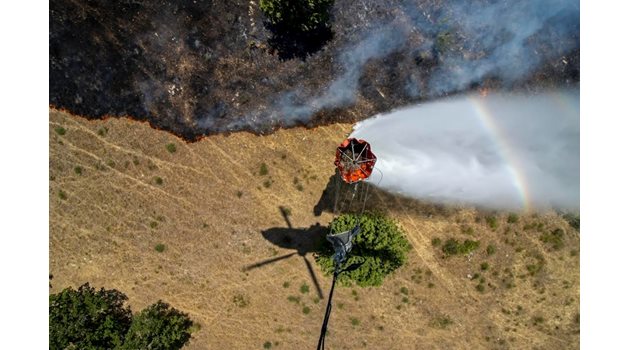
(114, 214)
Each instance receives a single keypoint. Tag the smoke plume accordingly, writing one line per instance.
(464, 42)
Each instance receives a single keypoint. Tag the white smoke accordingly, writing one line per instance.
(505, 40)
(503, 151)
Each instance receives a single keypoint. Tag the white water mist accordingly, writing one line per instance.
(502, 151)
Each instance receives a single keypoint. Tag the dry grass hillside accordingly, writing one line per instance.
(118, 190)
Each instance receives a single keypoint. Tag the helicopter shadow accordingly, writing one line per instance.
(302, 240)
(339, 197)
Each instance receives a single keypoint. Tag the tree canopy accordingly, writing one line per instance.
(87, 318)
(91, 319)
(378, 250)
(158, 327)
(300, 15)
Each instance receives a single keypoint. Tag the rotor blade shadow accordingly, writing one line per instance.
(285, 214)
(268, 261)
(314, 278)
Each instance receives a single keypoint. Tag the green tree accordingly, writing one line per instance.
(297, 15)
(87, 319)
(159, 326)
(90, 319)
(378, 250)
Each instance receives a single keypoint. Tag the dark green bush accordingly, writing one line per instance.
(60, 131)
(87, 319)
(297, 15)
(158, 327)
(379, 249)
(91, 319)
(441, 322)
(453, 247)
(555, 238)
(512, 218)
(263, 170)
(573, 220)
(492, 222)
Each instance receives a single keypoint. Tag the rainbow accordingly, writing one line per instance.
(505, 149)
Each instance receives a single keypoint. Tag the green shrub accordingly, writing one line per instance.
(492, 222)
(87, 319)
(441, 322)
(267, 345)
(436, 242)
(90, 319)
(60, 131)
(512, 218)
(62, 195)
(297, 15)
(171, 148)
(484, 266)
(355, 321)
(573, 220)
(160, 247)
(379, 249)
(555, 238)
(196, 327)
(491, 249)
(263, 170)
(467, 230)
(453, 247)
(535, 268)
(159, 326)
(304, 288)
(158, 180)
(78, 170)
(306, 310)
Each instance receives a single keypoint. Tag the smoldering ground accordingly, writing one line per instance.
(196, 68)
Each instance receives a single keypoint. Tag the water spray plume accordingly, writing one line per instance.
(502, 151)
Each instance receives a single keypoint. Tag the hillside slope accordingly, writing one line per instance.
(116, 192)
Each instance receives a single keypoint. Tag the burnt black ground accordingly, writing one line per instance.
(194, 68)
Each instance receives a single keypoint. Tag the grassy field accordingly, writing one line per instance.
(139, 210)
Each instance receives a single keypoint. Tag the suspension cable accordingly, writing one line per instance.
(322, 334)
